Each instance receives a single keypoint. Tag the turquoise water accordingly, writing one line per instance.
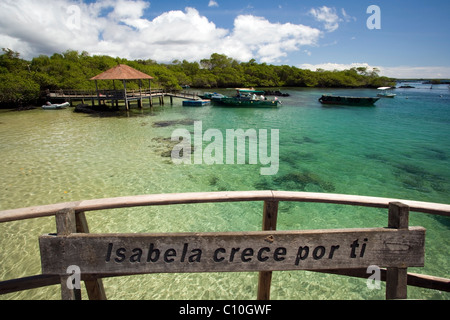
(398, 149)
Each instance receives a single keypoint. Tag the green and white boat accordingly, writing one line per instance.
(248, 98)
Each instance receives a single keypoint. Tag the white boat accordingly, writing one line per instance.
(50, 106)
(385, 93)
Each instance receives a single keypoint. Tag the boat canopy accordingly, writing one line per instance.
(384, 88)
(246, 90)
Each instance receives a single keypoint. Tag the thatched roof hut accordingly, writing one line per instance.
(124, 73)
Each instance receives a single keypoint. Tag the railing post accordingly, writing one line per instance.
(270, 214)
(94, 286)
(397, 278)
(67, 222)
(65, 225)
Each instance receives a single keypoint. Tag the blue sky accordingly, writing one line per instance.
(413, 40)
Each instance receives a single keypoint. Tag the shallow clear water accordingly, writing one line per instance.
(398, 149)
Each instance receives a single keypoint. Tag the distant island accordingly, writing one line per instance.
(22, 81)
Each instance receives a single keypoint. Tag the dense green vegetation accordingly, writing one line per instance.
(21, 81)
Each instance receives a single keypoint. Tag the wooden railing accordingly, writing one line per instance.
(105, 93)
(271, 199)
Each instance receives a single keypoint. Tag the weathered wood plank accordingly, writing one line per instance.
(233, 251)
(270, 214)
(28, 283)
(66, 225)
(94, 286)
(398, 217)
(397, 278)
(65, 222)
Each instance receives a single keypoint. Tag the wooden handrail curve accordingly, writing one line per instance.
(208, 197)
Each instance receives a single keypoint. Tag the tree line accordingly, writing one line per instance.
(22, 81)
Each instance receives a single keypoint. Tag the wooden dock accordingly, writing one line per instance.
(114, 96)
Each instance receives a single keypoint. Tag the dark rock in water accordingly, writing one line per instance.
(437, 154)
(309, 140)
(376, 157)
(412, 169)
(299, 180)
(85, 108)
(166, 145)
(213, 180)
(162, 124)
(263, 185)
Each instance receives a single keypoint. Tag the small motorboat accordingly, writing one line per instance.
(50, 106)
(349, 101)
(248, 98)
(213, 96)
(195, 103)
(385, 93)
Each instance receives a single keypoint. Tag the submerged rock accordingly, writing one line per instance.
(299, 181)
(168, 123)
(166, 145)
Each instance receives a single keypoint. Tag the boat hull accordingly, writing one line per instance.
(235, 102)
(55, 106)
(348, 101)
(195, 103)
(386, 95)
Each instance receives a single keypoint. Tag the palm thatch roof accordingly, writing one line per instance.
(122, 72)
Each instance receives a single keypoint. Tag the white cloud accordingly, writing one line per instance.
(35, 27)
(402, 72)
(213, 3)
(119, 28)
(271, 41)
(334, 66)
(328, 16)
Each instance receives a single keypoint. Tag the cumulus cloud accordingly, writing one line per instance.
(43, 26)
(328, 16)
(335, 66)
(120, 28)
(271, 41)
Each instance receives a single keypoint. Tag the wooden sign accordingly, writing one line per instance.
(233, 251)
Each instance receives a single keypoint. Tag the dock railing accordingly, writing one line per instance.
(116, 94)
(98, 256)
